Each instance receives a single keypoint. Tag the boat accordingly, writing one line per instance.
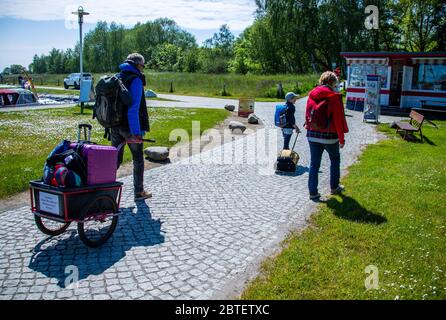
(14, 97)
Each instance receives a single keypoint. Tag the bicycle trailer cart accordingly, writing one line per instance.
(95, 209)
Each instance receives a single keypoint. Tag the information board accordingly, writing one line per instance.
(372, 103)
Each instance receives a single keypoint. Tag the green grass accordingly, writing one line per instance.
(27, 137)
(260, 87)
(392, 216)
(236, 85)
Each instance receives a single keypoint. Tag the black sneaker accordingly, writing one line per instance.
(315, 197)
(338, 190)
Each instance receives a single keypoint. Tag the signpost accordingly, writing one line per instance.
(246, 107)
(372, 103)
(81, 13)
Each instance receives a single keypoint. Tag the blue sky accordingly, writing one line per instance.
(28, 27)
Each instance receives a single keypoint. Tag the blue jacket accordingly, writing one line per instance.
(136, 90)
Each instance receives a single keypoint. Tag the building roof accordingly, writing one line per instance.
(379, 54)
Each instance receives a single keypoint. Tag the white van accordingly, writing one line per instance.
(74, 80)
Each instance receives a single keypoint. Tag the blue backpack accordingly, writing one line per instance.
(280, 119)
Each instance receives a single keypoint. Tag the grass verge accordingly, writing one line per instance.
(260, 87)
(27, 137)
(392, 216)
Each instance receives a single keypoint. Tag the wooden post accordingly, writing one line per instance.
(171, 87)
(280, 94)
(224, 92)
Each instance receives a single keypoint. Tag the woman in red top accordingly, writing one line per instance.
(326, 127)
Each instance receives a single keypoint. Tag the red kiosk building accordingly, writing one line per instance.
(408, 80)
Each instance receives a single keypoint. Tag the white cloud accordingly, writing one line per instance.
(193, 14)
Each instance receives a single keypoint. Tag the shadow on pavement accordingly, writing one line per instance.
(350, 209)
(52, 255)
(299, 172)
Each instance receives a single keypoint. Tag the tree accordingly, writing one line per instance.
(116, 37)
(167, 57)
(71, 60)
(96, 49)
(217, 51)
(190, 60)
(419, 23)
(6, 71)
(245, 58)
(55, 61)
(440, 25)
(287, 36)
(15, 69)
(222, 40)
(38, 65)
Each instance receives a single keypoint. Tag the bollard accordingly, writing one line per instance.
(171, 87)
(224, 92)
(280, 94)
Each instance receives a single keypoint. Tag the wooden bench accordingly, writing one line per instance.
(415, 124)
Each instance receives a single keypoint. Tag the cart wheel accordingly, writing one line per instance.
(98, 223)
(50, 227)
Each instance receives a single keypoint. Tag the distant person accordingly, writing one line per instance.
(326, 126)
(289, 128)
(21, 82)
(27, 84)
(337, 72)
(137, 121)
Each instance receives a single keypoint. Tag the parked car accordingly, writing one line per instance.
(74, 80)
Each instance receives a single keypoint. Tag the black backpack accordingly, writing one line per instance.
(112, 101)
(72, 161)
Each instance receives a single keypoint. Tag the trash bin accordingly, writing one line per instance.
(85, 90)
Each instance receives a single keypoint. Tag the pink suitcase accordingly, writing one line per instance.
(101, 162)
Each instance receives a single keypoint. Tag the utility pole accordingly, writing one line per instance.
(81, 13)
